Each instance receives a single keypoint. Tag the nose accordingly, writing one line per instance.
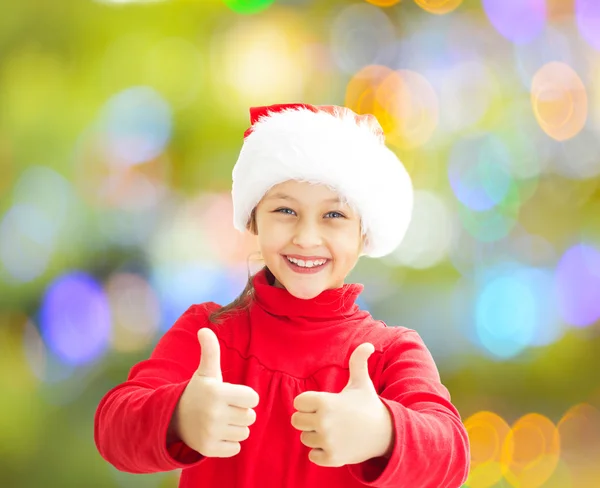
(307, 235)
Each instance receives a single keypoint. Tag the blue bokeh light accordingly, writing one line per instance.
(506, 315)
(75, 319)
(137, 123)
(180, 286)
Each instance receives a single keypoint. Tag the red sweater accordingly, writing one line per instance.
(281, 347)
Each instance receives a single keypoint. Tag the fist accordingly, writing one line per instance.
(213, 417)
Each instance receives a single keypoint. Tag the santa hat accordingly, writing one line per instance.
(329, 145)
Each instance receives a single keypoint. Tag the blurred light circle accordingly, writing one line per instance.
(44, 188)
(227, 245)
(137, 126)
(264, 60)
(407, 107)
(547, 324)
(579, 430)
(559, 100)
(27, 241)
(248, 6)
(135, 312)
(439, 7)
(359, 35)
(429, 234)
(478, 171)
(75, 319)
(362, 88)
(466, 93)
(178, 286)
(578, 282)
(531, 451)
(520, 21)
(506, 315)
(587, 13)
(487, 433)
(175, 68)
(384, 3)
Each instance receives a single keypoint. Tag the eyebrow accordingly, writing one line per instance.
(283, 196)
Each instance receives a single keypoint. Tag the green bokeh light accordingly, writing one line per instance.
(248, 6)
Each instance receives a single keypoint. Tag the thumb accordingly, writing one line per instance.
(359, 367)
(210, 355)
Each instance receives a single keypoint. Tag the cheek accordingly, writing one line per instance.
(271, 241)
(347, 245)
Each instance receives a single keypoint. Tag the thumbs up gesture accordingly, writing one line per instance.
(347, 427)
(212, 417)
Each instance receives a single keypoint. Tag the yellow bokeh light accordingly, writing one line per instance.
(531, 451)
(383, 3)
(410, 108)
(579, 431)
(260, 61)
(403, 101)
(559, 100)
(487, 433)
(361, 90)
(439, 7)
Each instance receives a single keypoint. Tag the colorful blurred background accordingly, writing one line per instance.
(120, 122)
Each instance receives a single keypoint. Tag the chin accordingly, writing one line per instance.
(304, 291)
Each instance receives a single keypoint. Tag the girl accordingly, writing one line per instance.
(292, 385)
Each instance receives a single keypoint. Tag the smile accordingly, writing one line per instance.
(306, 266)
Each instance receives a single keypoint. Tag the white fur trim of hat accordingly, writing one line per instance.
(329, 145)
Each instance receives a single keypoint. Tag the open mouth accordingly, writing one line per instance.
(306, 265)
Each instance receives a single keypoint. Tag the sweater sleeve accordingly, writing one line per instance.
(431, 446)
(132, 419)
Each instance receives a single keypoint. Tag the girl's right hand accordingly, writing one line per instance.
(212, 417)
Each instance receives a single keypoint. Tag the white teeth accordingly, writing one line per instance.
(307, 264)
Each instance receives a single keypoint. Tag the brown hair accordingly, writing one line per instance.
(245, 298)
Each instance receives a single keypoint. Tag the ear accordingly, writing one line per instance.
(363, 243)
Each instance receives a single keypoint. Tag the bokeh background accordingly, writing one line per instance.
(120, 122)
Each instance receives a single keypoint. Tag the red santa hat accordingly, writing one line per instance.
(333, 146)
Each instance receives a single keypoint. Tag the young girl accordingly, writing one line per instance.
(292, 385)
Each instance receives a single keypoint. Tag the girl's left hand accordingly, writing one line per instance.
(347, 427)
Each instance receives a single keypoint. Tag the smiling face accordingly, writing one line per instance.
(308, 238)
